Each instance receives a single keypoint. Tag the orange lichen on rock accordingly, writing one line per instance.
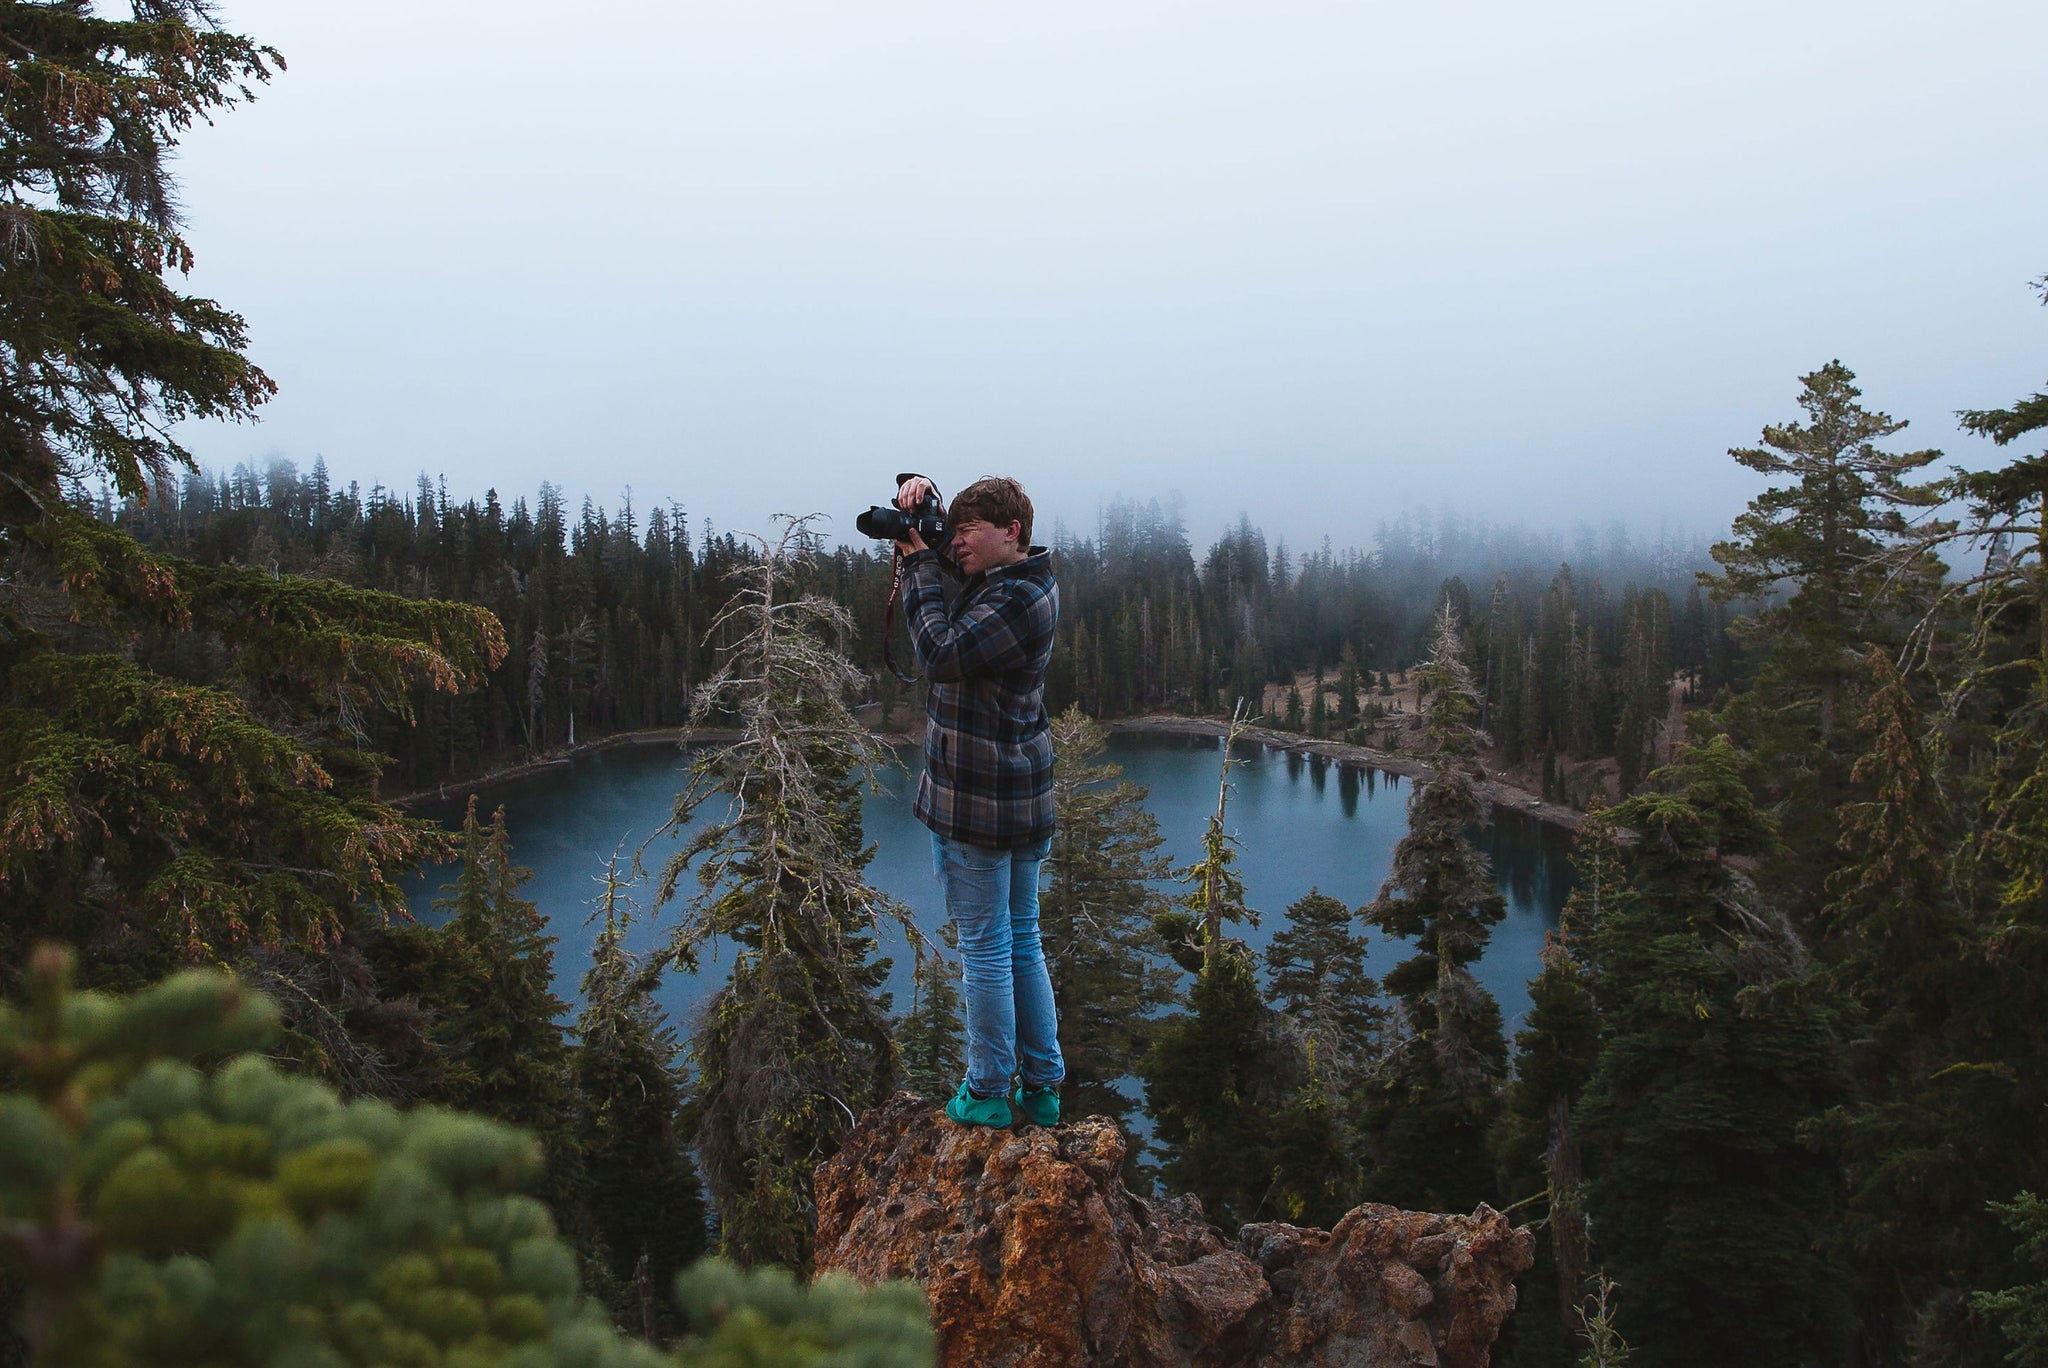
(1032, 1254)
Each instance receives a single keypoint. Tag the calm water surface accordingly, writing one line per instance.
(1301, 822)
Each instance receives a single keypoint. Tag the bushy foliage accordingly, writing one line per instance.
(170, 1199)
(186, 769)
(1717, 1046)
(2022, 1312)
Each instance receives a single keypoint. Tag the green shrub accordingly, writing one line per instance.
(169, 1198)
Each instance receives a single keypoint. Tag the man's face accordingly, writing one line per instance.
(979, 545)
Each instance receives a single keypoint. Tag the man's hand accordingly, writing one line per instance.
(909, 495)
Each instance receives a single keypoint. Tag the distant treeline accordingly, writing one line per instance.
(1778, 1101)
(608, 613)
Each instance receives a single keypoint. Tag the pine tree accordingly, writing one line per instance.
(1554, 1057)
(929, 1039)
(184, 762)
(1347, 689)
(2022, 1312)
(796, 1045)
(484, 982)
(1214, 1079)
(1096, 914)
(2008, 513)
(1944, 1107)
(1830, 527)
(1331, 1005)
(1427, 1112)
(1717, 1048)
(639, 1194)
(501, 1012)
(1317, 977)
(1215, 1074)
(1194, 927)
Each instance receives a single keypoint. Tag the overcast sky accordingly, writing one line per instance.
(1320, 262)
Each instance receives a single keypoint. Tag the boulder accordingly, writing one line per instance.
(1033, 1254)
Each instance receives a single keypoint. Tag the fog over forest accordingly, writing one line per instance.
(1318, 262)
(1627, 417)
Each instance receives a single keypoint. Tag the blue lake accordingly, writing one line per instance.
(1302, 823)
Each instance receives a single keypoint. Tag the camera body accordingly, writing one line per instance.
(886, 522)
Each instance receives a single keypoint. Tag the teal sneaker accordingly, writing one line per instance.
(1041, 1106)
(970, 1110)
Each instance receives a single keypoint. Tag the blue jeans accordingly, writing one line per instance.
(992, 896)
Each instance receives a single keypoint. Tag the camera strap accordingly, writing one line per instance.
(896, 588)
(889, 619)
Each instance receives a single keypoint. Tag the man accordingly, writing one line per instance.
(986, 792)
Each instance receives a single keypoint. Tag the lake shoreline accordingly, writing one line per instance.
(1496, 791)
(559, 758)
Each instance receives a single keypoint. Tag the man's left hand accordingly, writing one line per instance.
(908, 495)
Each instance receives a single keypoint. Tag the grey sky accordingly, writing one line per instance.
(1317, 261)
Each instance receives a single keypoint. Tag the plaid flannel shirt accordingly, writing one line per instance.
(987, 740)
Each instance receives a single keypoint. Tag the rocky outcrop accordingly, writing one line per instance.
(1033, 1254)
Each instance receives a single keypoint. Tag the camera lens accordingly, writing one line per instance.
(883, 524)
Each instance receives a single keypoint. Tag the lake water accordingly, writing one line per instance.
(1302, 823)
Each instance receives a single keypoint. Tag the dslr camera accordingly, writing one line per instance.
(886, 522)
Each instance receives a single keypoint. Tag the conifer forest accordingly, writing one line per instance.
(1782, 1099)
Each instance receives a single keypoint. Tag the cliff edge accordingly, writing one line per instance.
(1032, 1254)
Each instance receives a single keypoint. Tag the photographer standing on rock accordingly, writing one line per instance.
(986, 793)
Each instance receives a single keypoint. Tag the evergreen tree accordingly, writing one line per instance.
(1214, 1079)
(1935, 925)
(1193, 928)
(640, 1196)
(2022, 1312)
(1216, 1074)
(1945, 1099)
(796, 1045)
(1319, 983)
(1096, 913)
(484, 982)
(2008, 520)
(499, 998)
(1347, 689)
(1837, 507)
(1716, 1050)
(1427, 1113)
(185, 762)
(1318, 978)
(1554, 1057)
(930, 1038)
